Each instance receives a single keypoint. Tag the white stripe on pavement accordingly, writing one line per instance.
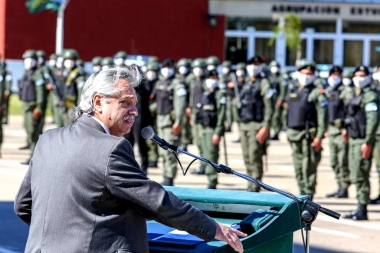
(361, 224)
(286, 168)
(334, 232)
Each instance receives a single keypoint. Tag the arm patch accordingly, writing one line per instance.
(181, 92)
(371, 107)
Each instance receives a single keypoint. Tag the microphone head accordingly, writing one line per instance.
(147, 133)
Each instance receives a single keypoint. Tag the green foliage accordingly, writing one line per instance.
(15, 106)
(35, 6)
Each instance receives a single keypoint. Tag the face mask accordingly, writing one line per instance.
(143, 69)
(96, 68)
(105, 67)
(274, 70)
(346, 81)
(151, 75)
(183, 70)
(334, 81)
(167, 72)
(29, 63)
(225, 70)
(254, 70)
(69, 64)
(211, 67)
(305, 80)
(40, 60)
(52, 63)
(119, 61)
(240, 73)
(376, 76)
(361, 81)
(60, 62)
(211, 83)
(198, 71)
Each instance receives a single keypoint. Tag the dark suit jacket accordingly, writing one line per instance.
(84, 192)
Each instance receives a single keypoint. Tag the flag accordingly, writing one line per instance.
(35, 6)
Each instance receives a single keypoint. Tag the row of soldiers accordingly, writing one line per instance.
(5, 92)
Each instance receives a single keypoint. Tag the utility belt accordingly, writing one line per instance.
(338, 123)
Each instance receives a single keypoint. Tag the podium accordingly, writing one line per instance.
(268, 219)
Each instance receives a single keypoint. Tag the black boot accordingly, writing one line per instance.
(333, 194)
(342, 193)
(359, 214)
(152, 164)
(199, 171)
(237, 140)
(275, 137)
(167, 181)
(25, 147)
(211, 186)
(375, 201)
(26, 162)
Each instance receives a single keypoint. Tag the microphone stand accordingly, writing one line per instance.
(309, 210)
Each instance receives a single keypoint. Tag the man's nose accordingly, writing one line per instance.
(134, 111)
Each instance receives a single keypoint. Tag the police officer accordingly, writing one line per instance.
(362, 122)
(96, 64)
(74, 82)
(212, 62)
(171, 103)
(33, 96)
(56, 86)
(227, 78)
(196, 93)
(279, 84)
(338, 95)
(211, 116)
(183, 76)
(347, 78)
(306, 122)
(6, 79)
(120, 58)
(107, 62)
(255, 119)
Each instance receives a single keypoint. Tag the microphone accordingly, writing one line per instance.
(149, 134)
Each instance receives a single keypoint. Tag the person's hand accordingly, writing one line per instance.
(36, 114)
(366, 150)
(49, 86)
(278, 104)
(345, 136)
(230, 236)
(188, 112)
(176, 129)
(316, 144)
(215, 139)
(262, 135)
(230, 85)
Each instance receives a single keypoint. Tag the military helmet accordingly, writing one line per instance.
(347, 74)
(97, 60)
(257, 59)
(107, 61)
(306, 64)
(121, 54)
(227, 64)
(79, 62)
(335, 69)
(241, 65)
(274, 64)
(30, 54)
(184, 62)
(70, 54)
(53, 57)
(363, 68)
(152, 66)
(167, 63)
(212, 60)
(153, 59)
(41, 53)
(198, 63)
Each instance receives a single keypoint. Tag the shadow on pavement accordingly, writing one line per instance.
(13, 231)
(298, 248)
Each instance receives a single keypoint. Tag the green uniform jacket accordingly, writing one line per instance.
(221, 102)
(283, 87)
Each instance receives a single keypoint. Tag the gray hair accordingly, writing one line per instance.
(104, 83)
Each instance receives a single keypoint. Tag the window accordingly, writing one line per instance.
(236, 50)
(323, 51)
(291, 54)
(375, 53)
(262, 48)
(319, 26)
(360, 27)
(235, 23)
(353, 53)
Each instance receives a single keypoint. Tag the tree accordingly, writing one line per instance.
(291, 26)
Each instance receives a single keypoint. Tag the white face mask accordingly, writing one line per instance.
(143, 69)
(29, 63)
(211, 83)
(211, 67)
(96, 68)
(334, 81)
(305, 80)
(40, 60)
(119, 61)
(240, 73)
(52, 63)
(183, 70)
(225, 70)
(198, 71)
(346, 81)
(59, 62)
(361, 81)
(167, 72)
(254, 70)
(376, 76)
(151, 75)
(69, 64)
(105, 67)
(274, 70)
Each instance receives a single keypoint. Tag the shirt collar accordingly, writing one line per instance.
(101, 123)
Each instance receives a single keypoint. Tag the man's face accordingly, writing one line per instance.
(336, 75)
(360, 73)
(111, 111)
(307, 72)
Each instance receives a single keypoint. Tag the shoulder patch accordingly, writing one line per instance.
(223, 101)
(8, 77)
(181, 92)
(269, 93)
(371, 107)
(284, 83)
(40, 82)
(324, 103)
(80, 85)
(47, 76)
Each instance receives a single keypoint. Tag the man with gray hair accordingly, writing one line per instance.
(84, 190)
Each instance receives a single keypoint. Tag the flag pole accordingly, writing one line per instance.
(60, 28)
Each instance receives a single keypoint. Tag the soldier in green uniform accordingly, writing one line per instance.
(306, 125)
(228, 78)
(57, 88)
(33, 96)
(211, 116)
(74, 82)
(279, 84)
(212, 62)
(107, 62)
(120, 58)
(184, 69)
(347, 78)
(7, 81)
(362, 122)
(338, 96)
(196, 93)
(170, 97)
(255, 114)
(96, 64)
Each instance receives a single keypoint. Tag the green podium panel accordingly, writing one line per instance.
(268, 219)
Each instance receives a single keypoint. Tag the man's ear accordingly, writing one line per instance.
(97, 102)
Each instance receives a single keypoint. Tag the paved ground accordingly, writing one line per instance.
(328, 235)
